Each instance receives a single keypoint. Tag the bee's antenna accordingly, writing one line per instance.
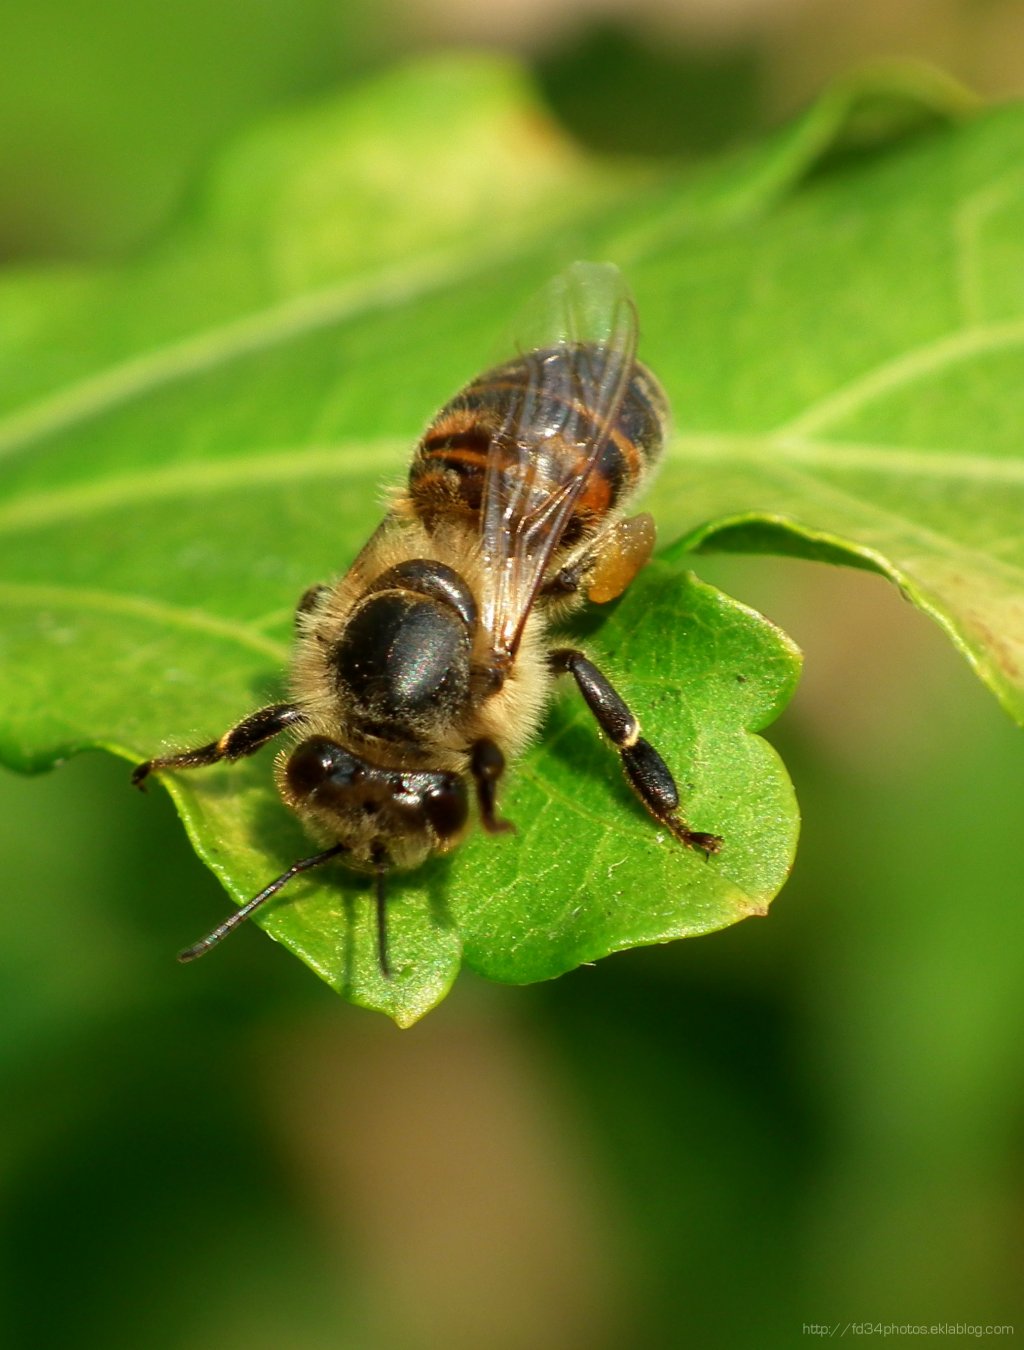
(201, 947)
(382, 924)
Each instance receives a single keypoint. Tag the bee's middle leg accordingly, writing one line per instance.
(648, 774)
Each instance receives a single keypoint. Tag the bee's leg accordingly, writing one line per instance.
(648, 774)
(568, 579)
(243, 739)
(624, 550)
(309, 600)
(487, 764)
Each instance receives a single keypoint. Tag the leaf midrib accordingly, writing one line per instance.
(772, 452)
(294, 464)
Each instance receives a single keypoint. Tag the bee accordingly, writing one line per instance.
(426, 669)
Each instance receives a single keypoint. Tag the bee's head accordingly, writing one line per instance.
(383, 818)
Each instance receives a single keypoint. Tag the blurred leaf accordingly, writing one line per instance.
(681, 100)
(97, 144)
(188, 443)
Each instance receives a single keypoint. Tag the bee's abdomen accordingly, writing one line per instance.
(534, 422)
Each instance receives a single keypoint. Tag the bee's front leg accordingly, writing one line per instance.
(487, 764)
(648, 774)
(243, 739)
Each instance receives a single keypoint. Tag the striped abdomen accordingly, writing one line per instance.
(536, 421)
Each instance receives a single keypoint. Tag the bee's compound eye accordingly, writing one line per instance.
(315, 761)
(446, 806)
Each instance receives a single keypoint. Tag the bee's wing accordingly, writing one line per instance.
(561, 398)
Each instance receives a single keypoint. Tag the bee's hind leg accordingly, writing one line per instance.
(245, 738)
(609, 564)
(648, 774)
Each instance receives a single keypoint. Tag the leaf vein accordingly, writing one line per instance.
(140, 607)
(195, 479)
(901, 371)
(199, 353)
(969, 218)
(935, 540)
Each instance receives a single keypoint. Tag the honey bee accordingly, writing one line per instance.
(421, 673)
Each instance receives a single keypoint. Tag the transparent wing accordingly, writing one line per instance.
(558, 403)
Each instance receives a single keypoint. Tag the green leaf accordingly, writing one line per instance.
(587, 872)
(187, 443)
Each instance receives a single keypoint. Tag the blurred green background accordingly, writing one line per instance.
(815, 1119)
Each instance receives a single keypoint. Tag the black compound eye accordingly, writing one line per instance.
(316, 761)
(446, 807)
